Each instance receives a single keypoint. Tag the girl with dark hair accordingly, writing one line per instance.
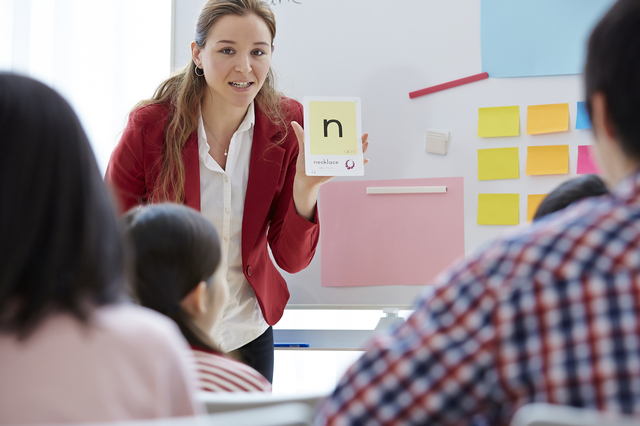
(70, 351)
(177, 252)
(219, 138)
(569, 192)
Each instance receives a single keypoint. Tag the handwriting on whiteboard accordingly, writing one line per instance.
(277, 2)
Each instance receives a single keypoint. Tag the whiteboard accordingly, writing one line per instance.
(380, 50)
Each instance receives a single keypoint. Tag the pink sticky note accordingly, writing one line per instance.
(586, 161)
(389, 239)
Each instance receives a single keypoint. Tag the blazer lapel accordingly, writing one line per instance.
(265, 168)
(192, 172)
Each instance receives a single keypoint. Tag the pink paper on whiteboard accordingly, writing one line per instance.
(586, 161)
(404, 236)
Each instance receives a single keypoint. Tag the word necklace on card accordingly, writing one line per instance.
(214, 138)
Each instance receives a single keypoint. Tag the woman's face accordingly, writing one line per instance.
(235, 58)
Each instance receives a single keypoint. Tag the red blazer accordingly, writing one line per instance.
(269, 211)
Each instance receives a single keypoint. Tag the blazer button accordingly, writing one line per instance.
(249, 270)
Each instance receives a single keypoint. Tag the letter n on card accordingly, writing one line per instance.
(332, 136)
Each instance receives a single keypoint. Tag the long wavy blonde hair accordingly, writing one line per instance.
(184, 91)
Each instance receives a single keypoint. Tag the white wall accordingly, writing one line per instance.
(103, 56)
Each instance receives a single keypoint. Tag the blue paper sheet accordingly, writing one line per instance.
(582, 117)
(537, 37)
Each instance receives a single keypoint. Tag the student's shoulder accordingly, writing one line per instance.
(206, 357)
(253, 378)
(536, 255)
(589, 214)
(546, 243)
(131, 324)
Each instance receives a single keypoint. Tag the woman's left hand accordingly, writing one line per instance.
(305, 188)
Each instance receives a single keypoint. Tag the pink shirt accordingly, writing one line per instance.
(129, 363)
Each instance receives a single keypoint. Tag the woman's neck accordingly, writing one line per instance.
(222, 118)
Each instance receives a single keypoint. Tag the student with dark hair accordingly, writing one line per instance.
(70, 351)
(177, 252)
(569, 192)
(550, 313)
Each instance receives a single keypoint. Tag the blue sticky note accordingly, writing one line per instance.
(582, 117)
(537, 37)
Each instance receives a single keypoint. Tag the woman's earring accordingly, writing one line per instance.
(195, 70)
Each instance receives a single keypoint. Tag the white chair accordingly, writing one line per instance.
(220, 402)
(543, 414)
(294, 414)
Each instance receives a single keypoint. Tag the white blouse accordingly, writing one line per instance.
(222, 194)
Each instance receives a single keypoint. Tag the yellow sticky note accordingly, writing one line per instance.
(498, 121)
(547, 118)
(498, 209)
(548, 160)
(498, 163)
(332, 127)
(533, 202)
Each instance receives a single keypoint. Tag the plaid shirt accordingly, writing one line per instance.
(550, 312)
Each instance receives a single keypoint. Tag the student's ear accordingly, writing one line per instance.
(195, 303)
(601, 119)
(615, 163)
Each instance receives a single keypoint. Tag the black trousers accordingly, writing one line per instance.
(259, 354)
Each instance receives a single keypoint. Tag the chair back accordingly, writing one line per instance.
(220, 402)
(293, 414)
(543, 414)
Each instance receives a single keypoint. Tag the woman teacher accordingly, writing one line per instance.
(219, 138)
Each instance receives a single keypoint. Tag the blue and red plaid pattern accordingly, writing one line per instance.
(550, 312)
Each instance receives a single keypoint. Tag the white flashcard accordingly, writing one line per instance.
(333, 136)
